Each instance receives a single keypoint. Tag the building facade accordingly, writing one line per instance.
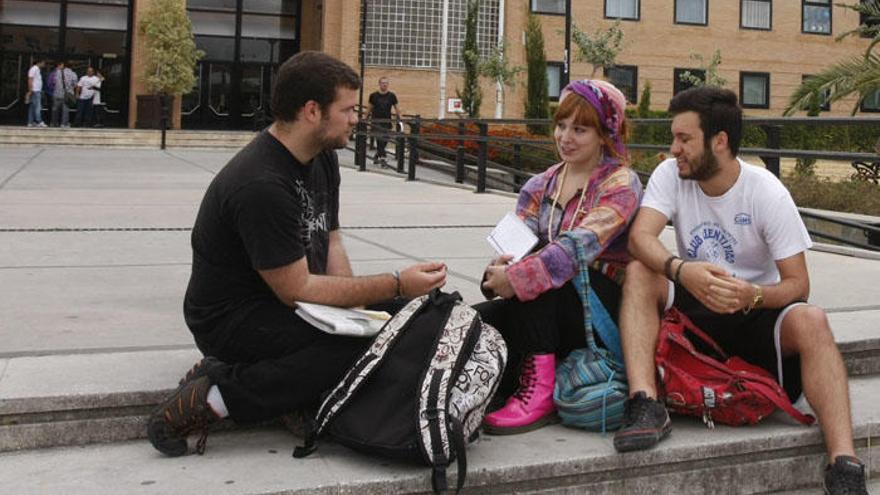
(767, 48)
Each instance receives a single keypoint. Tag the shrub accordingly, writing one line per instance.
(845, 196)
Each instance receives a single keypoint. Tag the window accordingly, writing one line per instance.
(679, 85)
(554, 79)
(816, 16)
(691, 12)
(407, 33)
(622, 9)
(754, 89)
(626, 78)
(548, 6)
(867, 20)
(825, 106)
(871, 103)
(756, 14)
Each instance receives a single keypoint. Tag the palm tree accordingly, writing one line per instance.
(856, 76)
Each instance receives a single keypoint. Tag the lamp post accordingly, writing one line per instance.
(360, 140)
(566, 68)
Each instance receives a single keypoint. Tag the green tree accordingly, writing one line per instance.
(171, 54)
(710, 70)
(471, 96)
(537, 99)
(497, 68)
(858, 75)
(644, 109)
(600, 49)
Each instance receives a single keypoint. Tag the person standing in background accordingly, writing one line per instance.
(86, 93)
(97, 104)
(34, 96)
(381, 103)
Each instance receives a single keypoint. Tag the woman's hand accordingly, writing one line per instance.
(495, 278)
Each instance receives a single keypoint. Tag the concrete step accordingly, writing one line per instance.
(772, 456)
(55, 400)
(132, 138)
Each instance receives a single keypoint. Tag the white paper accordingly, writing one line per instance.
(342, 321)
(512, 236)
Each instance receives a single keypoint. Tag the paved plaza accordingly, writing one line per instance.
(94, 261)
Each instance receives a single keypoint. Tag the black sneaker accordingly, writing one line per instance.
(645, 423)
(200, 369)
(185, 412)
(845, 477)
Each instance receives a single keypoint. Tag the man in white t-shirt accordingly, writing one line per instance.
(85, 89)
(34, 95)
(741, 277)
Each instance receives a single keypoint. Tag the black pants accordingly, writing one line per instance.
(381, 139)
(84, 112)
(278, 363)
(553, 322)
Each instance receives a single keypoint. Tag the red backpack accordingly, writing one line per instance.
(729, 391)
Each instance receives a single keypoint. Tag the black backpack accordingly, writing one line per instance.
(420, 391)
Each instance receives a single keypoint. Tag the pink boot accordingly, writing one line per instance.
(531, 406)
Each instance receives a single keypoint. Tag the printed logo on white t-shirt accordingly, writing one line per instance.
(709, 241)
(742, 219)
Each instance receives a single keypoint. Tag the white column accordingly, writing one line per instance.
(499, 88)
(444, 42)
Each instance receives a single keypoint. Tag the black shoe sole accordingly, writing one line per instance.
(641, 440)
(549, 419)
(171, 449)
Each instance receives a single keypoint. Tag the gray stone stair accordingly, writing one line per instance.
(79, 399)
(772, 456)
(122, 138)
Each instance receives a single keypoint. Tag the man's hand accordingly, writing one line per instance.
(496, 279)
(738, 293)
(711, 285)
(417, 280)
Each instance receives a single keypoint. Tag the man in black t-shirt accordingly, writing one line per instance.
(266, 236)
(381, 104)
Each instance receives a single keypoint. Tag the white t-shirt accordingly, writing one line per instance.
(37, 76)
(745, 230)
(86, 84)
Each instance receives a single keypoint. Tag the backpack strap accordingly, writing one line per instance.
(441, 434)
(595, 314)
(757, 383)
(673, 315)
(359, 372)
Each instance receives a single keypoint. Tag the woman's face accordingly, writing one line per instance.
(577, 144)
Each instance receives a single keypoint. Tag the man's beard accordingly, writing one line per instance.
(707, 168)
(329, 141)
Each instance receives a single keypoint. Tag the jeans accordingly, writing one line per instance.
(35, 109)
(59, 109)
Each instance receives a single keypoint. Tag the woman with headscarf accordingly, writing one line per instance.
(583, 204)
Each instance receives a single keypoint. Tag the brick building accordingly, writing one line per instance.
(767, 48)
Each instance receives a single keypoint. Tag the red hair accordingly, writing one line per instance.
(583, 114)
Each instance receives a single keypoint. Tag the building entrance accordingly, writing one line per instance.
(244, 43)
(83, 33)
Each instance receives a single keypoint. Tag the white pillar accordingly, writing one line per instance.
(499, 88)
(444, 41)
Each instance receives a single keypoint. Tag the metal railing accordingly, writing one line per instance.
(465, 149)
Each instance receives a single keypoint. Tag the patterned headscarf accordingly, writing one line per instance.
(609, 103)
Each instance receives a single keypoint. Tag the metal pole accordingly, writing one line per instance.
(360, 139)
(444, 44)
(482, 156)
(566, 69)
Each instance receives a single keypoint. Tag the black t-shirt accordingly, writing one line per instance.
(382, 104)
(263, 210)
